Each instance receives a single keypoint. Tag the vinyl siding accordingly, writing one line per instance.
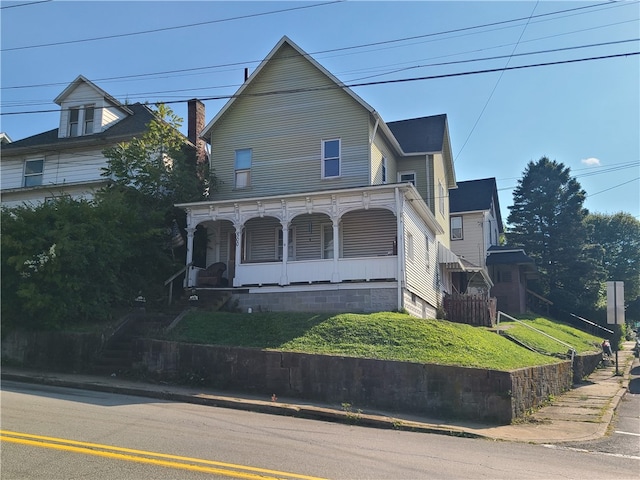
(440, 176)
(417, 164)
(285, 132)
(368, 233)
(379, 149)
(420, 274)
(63, 168)
(471, 247)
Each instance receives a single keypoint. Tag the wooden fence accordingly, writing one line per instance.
(471, 309)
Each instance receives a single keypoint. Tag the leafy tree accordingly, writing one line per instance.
(619, 236)
(159, 165)
(547, 220)
(61, 263)
(75, 260)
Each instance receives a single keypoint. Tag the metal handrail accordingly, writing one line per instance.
(170, 280)
(571, 349)
(592, 323)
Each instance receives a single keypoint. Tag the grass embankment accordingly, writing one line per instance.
(385, 335)
(579, 340)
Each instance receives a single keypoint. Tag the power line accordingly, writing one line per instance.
(380, 82)
(164, 29)
(25, 4)
(611, 188)
(495, 87)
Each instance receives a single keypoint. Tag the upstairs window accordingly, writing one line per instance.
(407, 177)
(74, 118)
(88, 120)
(330, 158)
(456, 228)
(441, 197)
(384, 170)
(81, 120)
(33, 170)
(243, 168)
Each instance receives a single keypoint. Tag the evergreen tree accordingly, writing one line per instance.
(547, 220)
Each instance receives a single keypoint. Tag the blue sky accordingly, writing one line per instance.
(585, 114)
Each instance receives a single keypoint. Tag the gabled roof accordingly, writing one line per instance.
(130, 126)
(283, 41)
(476, 196)
(101, 93)
(420, 135)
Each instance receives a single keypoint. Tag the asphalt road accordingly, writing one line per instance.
(57, 433)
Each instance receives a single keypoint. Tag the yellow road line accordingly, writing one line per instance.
(135, 456)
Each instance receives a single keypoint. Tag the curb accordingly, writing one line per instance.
(258, 406)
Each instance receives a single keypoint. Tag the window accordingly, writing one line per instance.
(330, 158)
(33, 172)
(410, 246)
(243, 168)
(327, 241)
(407, 177)
(88, 120)
(427, 259)
(456, 228)
(384, 170)
(291, 252)
(74, 118)
(441, 197)
(81, 120)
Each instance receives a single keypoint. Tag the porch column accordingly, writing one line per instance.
(216, 248)
(238, 260)
(190, 232)
(335, 277)
(285, 253)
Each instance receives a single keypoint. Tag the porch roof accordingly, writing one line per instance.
(376, 196)
(449, 259)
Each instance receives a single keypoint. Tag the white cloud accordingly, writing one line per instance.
(591, 161)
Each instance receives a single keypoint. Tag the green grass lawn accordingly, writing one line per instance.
(385, 335)
(579, 340)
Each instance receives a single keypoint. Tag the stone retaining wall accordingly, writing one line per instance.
(53, 351)
(447, 391)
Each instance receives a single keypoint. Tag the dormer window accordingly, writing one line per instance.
(81, 120)
(88, 120)
(74, 116)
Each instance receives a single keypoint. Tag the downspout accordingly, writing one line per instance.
(399, 247)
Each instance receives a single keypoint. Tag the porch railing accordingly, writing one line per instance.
(313, 271)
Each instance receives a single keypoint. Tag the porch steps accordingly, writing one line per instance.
(117, 356)
(211, 300)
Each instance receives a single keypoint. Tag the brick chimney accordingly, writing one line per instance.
(195, 125)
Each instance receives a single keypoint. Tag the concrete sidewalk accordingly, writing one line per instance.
(581, 414)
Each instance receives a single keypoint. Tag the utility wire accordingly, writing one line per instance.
(495, 86)
(164, 29)
(380, 82)
(25, 4)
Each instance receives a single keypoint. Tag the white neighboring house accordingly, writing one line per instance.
(321, 205)
(68, 160)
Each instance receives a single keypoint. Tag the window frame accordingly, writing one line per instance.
(28, 175)
(291, 247)
(74, 124)
(383, 170)
(325, 159)
(243, 170)
(452, 228)
(410, 247)
(408, 172)
(441, 194)
(88, 119)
